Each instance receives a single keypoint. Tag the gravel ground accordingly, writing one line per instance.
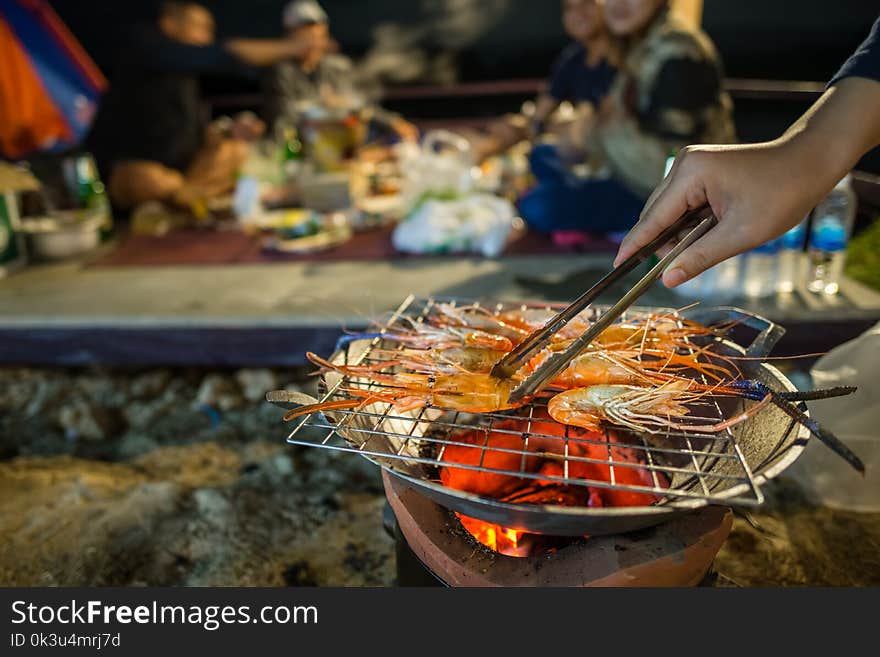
(176, 478)
(183, 477)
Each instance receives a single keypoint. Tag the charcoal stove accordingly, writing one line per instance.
(433, 549)
(691, 476)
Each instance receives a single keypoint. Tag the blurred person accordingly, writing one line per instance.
(667, 94)
(319, 76)
(759, 191)
(151, 139)
(581, 75)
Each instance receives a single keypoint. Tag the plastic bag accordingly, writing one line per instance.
(854, 419)
(442, 165)
(476, 223)
(854, 363)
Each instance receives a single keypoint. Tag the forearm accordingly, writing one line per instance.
(544, 107)
(262, 52)
(831, 137)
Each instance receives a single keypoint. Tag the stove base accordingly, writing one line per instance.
(433, 551)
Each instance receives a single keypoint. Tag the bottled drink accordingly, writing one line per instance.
(832, 223)
(717, 284)
(760, 270)
(791, 258)
(291, 153)
(90, 192)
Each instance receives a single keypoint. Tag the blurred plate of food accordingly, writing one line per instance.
(305, 231)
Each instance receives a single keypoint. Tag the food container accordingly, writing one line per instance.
(63, 234)
(326, 192)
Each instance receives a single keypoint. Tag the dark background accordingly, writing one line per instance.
(774, 39)
(518, 39)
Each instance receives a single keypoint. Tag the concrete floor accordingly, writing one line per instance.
(336, 293)
(48, 305)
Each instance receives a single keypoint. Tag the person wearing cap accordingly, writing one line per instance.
(150, 138)
(318, 76)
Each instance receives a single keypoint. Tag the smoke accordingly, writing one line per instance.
(427, 52)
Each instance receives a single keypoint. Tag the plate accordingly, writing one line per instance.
(321, 241)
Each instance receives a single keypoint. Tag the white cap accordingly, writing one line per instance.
(303, 12)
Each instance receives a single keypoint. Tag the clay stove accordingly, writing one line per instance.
(434, 548)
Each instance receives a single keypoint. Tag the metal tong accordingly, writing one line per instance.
(700, 221)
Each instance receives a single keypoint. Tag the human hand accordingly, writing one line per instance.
(757, 192)
(405, 130)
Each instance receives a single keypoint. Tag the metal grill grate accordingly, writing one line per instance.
(681, 467)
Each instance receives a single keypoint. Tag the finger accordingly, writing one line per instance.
(718, 244)
(668, 203)
(664, 250)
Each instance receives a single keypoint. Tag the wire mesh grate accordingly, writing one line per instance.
(676, 467)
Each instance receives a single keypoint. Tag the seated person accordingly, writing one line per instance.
(318, 76)
(581, 76)
(150, 139)
(668, 94)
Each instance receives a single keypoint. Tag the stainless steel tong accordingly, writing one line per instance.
(699, 221)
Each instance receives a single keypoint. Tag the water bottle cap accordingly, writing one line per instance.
(794, 239)
(829, 236)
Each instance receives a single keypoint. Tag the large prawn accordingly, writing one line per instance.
(463, 391)
(668, 407)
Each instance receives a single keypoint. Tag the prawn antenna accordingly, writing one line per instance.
(347, 339)
(784, 401)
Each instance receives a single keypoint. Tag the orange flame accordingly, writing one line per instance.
(495, 537)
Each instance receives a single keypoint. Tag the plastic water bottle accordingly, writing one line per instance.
(760, 270)
(832, 223)
(791, 258)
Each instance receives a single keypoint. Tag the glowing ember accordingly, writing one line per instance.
(502, 448)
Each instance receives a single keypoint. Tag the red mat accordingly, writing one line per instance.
(211, 247)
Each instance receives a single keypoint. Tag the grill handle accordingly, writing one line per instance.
(769, 333)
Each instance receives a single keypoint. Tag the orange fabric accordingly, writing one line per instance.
(28, 118)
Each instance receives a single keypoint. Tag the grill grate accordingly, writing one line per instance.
(682, 466)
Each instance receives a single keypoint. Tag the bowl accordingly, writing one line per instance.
(62, 234)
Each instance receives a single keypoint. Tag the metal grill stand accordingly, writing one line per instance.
(700, 468)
